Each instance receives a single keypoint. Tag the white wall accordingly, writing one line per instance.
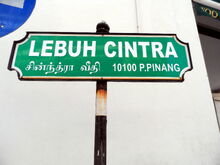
(52, 123)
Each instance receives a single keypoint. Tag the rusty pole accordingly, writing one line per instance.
(101, 112)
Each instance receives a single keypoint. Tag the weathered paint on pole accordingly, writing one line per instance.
(100, 124)
(101, 112)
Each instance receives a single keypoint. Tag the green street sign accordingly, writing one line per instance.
(91, 56)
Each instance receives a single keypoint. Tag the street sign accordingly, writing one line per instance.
(13, 14)
(91, 56)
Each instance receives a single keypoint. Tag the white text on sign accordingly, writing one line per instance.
(88, 48)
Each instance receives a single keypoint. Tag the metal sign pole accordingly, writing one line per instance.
(100, 123)
(101, 112)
